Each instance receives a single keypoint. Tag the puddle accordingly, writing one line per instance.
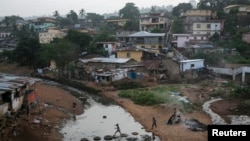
(99, 120)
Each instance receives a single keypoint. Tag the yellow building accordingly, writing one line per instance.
(117, 22)
(135, 54)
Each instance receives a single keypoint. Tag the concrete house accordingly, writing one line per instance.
(123, 36)
(108, 76)
(208, 27)
(139, 54)
(116, 22)
(149, 21)
(130, 52)
(196, 15)
(42, 24)
(48, 36)
(4, 34)
(191, 64)
(152, 41)
(110, 47)
(185, 40)
(243, 9)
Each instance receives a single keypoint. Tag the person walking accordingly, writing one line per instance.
(154, 122)
(118, 130)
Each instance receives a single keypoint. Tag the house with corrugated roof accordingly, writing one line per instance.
(16, 91)
(152, 41)
(84, 68)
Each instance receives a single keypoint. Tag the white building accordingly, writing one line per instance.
(47, 37)
(191, 64)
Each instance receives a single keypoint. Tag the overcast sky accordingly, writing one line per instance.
(25, 8)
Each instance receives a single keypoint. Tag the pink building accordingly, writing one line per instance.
(185, 40)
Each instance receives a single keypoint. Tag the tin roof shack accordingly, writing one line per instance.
(5, 98)
(28, 89)
(191, 66)
(15, 91)
(86, 67)
(106, 77)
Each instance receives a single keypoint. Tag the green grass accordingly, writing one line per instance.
(155, 96)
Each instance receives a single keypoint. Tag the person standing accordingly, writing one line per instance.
(14, 130)
(154, 122)
(28, 109)
(74, 107)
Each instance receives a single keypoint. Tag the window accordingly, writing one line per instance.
(198, 25)
(208, 26)
(192, 65)
(128, 54)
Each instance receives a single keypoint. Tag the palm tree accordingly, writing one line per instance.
(82, 13)
(56, 14)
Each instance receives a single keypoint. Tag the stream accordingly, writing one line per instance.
(99, 119)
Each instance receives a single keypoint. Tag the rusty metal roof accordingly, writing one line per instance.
(10, 82)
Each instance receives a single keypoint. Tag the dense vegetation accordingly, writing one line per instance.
(166, 95)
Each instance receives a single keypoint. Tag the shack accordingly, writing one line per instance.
(14, 91)
(191, 64)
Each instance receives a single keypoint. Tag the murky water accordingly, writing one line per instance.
(99, 120)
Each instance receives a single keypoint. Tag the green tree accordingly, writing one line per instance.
(72, 17)
(153, 9)
(62, 51)
(9, 21)
(157, 30)
(81, 39)
(131, 26)
(182, 7)
(56, 14)
(93, 49)
(218, 5)
(82, 13)
(95, 18)
(178, 26)
(104, 37)
(130, 11)
(27, 52)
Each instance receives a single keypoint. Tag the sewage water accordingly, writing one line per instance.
(99, 120)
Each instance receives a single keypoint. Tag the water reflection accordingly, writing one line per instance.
(100, 120)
